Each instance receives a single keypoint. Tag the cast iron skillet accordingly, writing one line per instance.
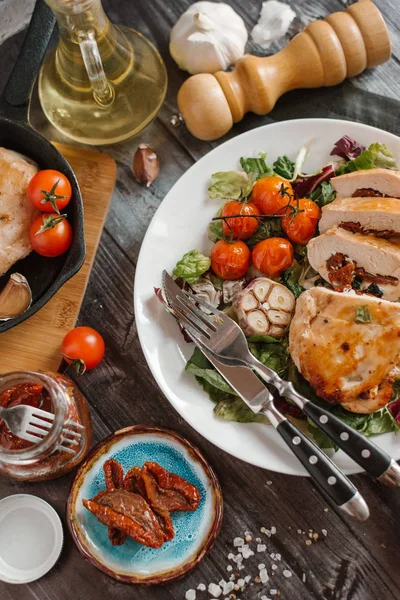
(45, 275)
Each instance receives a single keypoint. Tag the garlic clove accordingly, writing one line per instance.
(15, 298)
(277, 317)
(146, 165)
(249, 301)
(281, 299)
(261, 289)
(258, 321)
(277, 331)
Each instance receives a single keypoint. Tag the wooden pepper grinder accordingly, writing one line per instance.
(324, 54)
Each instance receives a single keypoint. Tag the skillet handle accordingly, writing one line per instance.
(16, 96)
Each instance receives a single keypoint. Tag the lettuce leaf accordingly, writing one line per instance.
(236, 410)
(347, 148)
(268, 228)
(290, 278)
(306, 184)
(377, 155)
(229, 185)
(323, 194)
(284, 167)
(192, 266)
(256, 166)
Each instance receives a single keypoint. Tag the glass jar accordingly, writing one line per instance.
(44, 460)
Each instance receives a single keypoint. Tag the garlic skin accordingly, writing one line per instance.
(208, 37)
(273, 23)
(15, 298)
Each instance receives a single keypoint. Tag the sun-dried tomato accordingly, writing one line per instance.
(167, 491)
(114, 477)
(133, 482)
(129, 513)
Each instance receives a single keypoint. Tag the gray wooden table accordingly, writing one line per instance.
(352, 561)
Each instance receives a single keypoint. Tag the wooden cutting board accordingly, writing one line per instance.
(35, 344)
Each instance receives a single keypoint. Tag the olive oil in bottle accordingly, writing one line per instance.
(102, 84)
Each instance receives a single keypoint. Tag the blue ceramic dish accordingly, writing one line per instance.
(195, 531)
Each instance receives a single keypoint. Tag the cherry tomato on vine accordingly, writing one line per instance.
(272, 256)
(49, 191)
(83, 347)
(239, 227)
(50, 234)
(300, 223)
(272, 195)
(230, 260)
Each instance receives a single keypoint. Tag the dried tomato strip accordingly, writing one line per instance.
(168, 491)
(114, 477)
(138, 520)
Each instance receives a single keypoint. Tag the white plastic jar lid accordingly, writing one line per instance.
(31, 538)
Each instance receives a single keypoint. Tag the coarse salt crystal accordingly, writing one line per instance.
(261, 548)
(269, 482)
(258, 540)
(274, 567)
(273, 530)
(201, 587)
(247, 578)
(273, 592)
(190, 595)
(304, 577)
(214, 590)
(222, 583)
(246, 551)
(231, 556)
(238, 542)
(228, 587)
(287, 573)
(229, 568)
(261, 566)
(278, 556)
(264, 598)
(264, 576)
(240, 582)
(272, 555)
(232, 577)
(324, 532)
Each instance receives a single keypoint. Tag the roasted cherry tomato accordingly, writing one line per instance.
(300, 222)
(272, 256)
(239, 227)
(230, 260)
(84, 347)
(272, 195)
(49, 191)
(50, 234)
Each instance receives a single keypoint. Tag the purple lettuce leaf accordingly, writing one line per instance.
(347, 148)
(394, 409)
(303, 186)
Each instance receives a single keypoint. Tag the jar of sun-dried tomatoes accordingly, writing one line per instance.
(68, 439)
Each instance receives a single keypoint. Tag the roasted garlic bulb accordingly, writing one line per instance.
(264, 307)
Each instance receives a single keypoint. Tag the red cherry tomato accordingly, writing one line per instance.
(272, 195)
(50, 234)
(272, 256)
(243, 226)
(300, 226)
(49, 191)
(230, 260)
(83, 346)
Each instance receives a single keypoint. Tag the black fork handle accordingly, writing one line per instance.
(16, 97)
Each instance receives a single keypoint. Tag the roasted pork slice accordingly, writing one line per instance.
(347, 346)
(346, 259)
(382, 181)
(16, 212)
(368, 215)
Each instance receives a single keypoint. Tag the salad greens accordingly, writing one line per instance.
(272, 352)
(377, 155)
(192, 266)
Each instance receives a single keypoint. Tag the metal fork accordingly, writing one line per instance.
(33, 424)
(217, 333)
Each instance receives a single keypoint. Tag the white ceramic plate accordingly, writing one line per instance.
(179, 225)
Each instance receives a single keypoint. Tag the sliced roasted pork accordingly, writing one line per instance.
(347, 346)
(16, 212)
(346, 259)
(381, 181)
(368, 215)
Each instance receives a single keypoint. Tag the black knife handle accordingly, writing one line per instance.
(364, 452)
(323, 471)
